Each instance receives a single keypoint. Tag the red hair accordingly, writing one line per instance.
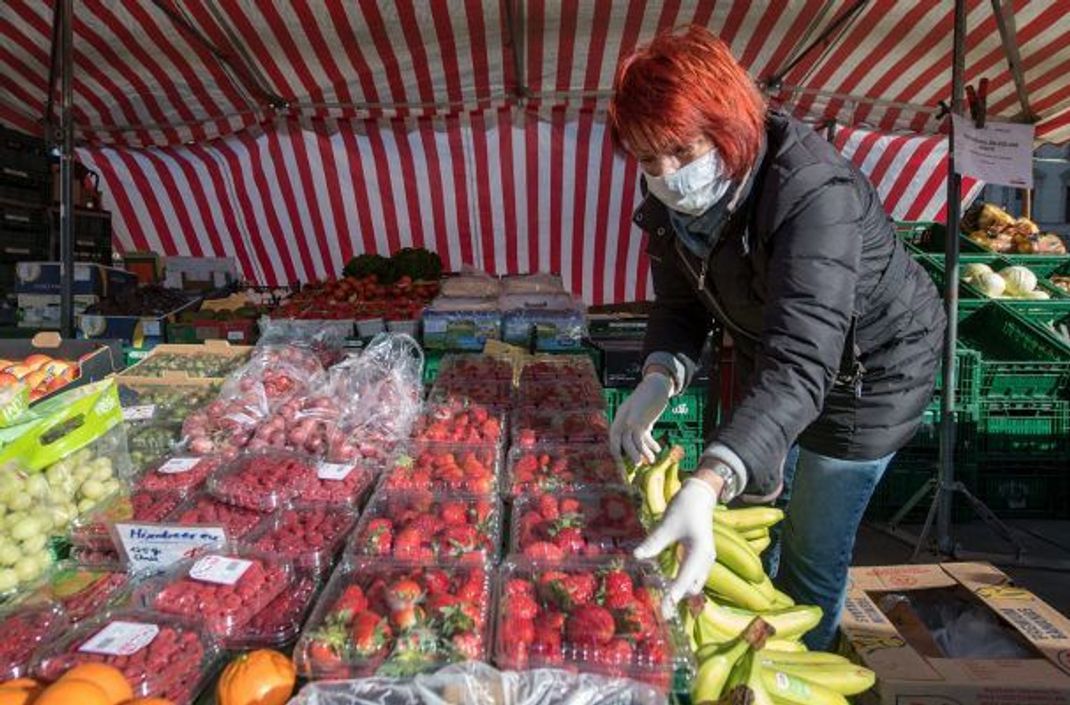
(684, 85)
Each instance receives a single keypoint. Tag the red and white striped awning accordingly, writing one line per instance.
(293, 134)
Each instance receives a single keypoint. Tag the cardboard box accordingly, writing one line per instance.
(95, 279)
(199, 273)
(44, 310)
(96, 360)
(138, 331)
(210, 347)
(912, 671)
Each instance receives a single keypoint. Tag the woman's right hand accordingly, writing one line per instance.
(633, 425)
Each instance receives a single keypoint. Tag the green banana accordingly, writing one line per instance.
(802, 658)
(687, 620)
(749, 517)
(707, 633)
(782, 599)
(759, 545)
(841, 678)
(792, 690)
(673, 483)
(744, 684)
(723, 583)
(715, 664)
(733, 550)
(789, 623)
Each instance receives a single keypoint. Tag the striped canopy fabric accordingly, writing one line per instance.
(292, 134)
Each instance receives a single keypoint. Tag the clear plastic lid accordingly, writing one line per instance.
(561, 394)
(457, 391)
(422, 525)
(344, 484)
(279, 623)
(555, 526)
(473, 424)
(263, 480)
(202, 509)
(223, 589)
(534, 426)
(396, 618)
(25, 626)
(601, 616)
(562, 468)
(179, 473)
(223, 427)
(475, 367)
(309, 536)
(444, 467)
(92, 530)
(85, 590)
(555, 368)
(161, 655)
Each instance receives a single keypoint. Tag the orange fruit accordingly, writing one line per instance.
(108, 678)
(20, 694)
(149, 701)
(69, 692)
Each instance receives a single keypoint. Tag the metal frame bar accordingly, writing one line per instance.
(66, 167)
(53, 71)
(773, 81)
(1008, 34)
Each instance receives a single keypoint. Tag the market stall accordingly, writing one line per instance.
(338, 409)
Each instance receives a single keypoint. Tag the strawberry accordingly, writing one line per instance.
(436, 581)
(547, 506)
(636, 620)
(468, 646)
(544, 550)
(459, 540)
(455, 513)
(590, 625)
(570, 505)
(518, 586)
(406, 617)
(618, 652)
(570, 540)
(409, 543)
(519, 629)
(618, 582)
(351, 602)
(547, 643)
(370, 633)
(379, 537)
(523, 607)
(580, 587)
(653, 651)
(403, 594)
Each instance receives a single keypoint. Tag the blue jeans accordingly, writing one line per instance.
(823, 500)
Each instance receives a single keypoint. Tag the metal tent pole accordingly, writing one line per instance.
(66, 169)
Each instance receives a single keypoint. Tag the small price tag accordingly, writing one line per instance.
(220, 570)
(177, 466)
(143, 412)
(152, 328)
(154, 547)
(235, 335)
(121, 639)
(334, 471)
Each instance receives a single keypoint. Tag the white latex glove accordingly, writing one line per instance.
(631, 433)
(689, 522)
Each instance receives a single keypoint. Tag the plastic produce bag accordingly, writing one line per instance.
(471, 284)
(324, 338)
(540, 283)
(274, 374)
(480, 684)
(154, 414)
(28, 516)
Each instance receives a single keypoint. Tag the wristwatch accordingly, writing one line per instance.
(730, 488)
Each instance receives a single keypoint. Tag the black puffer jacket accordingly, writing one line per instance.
(807, 263)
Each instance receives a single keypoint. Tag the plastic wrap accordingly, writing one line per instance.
(422, 526)
(470, 284)
(326, 339)
(558, 368)
(154, 414)
(458, 422)
(279, 624)
(309, 536)
(83, 591)
(538, 283)
(302, 424)
(554, 526)
(161, 655)
(444, 467)
(273, 375)
(571, 394)
(28, 516)
(262, 480)
(461, 324)
(180, 474)
(480, 684)
(387, 617)
(488, 392)
(562, 468)
(201, 509)
(598, 616)
(535, 426)
(93, 530)
(223, 427)
(25, 626)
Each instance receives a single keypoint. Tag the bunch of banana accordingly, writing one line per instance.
(747, 669)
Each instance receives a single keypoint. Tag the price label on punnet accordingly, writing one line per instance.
(154, 547)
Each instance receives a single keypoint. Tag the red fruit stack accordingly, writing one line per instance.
(444, 468)
(262, 480)
(561, 394)
(92, 531)
(202, 509)
(556, 527)
(178, 474)
(562, 468)
(559, 368)
(278, 625)
(25, 626)
(421, 525)
(386, 617)
(309, 536)
(456, 391)
(344, 484)
(465, 368)
(84, 590)
(470, 424)
(532, 427)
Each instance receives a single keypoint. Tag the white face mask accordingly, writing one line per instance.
(694, 187)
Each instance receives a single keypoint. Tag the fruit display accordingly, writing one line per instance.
(225, 426)
(27, 519)
(202, 365)
(559, 368)
(576, 394)
(92, 530)
(262, 480)
(391, 618)
(42, 374)
(472, 424)
(467, 369)
(996, 230)
(201, 509)
(562, 468)
(359, 297)
(25, 627)
(444, 467)
(309, 537)
(301, 424)
(599, 616)
(1014, 282)
(274, 374)
(179, 474)
(279, 624)
(81, 480)
(224, 590)
(262, 677)
(493, 393)
(82, 591)
(341, 484)
(558, 526)
(166, 403)
(161, 656)
(531, 426)
(421, 525)
(148, 442)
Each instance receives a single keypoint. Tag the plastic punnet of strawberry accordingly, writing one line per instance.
(396, 618)
(178, 473)
(25, 626)
(531, 427)
(424, 525)
(554, 526)
(559, 368)
(93, 529)
(309, 536)
(202, 509)
(455, 390)
(561, 394)
(84, 590)
(597, 615)
(222, 589)
(161, 655)
(555, 468)
(444, 467)
(279, 624)
(262, 480)
(459, 422)
(469, 367)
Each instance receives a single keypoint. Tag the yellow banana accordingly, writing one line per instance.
(841, 678)
(672, 482)
(774, 655)
(782, 599)
(744, 684)
(687, 620)
(749, 517)
(723, 583)
(790, 689)
(654, 490)
(789, 645)
(707, 633)
(734, 552)
(715, 664)
(751, 534)
(667, 563)
(759, 545)
(789, 623)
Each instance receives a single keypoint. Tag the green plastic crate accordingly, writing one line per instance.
(1019, 362)
(970, 297)
(692, 445)
(906, 474)
(686, 408)
(967, 382)
(1053, 319)
(1015, 487)
(614, 398)
(930, 237)
(432, 362)
(1037, 429)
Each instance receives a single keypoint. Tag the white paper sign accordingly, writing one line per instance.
(121, 639)
(156, 546)
(998, 153)
(143, 412)
(152, 327)
(334, 471)
(221, 570)
(177, 466)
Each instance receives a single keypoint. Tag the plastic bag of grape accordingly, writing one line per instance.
(28, 517)
(78, 446)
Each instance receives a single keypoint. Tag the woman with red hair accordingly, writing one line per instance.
(758, 223)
